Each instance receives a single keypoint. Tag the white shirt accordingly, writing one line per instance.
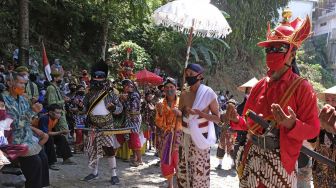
(100, 109)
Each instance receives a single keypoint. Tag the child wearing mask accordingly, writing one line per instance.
(77, 107)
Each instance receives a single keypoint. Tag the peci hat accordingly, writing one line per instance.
(195, 67)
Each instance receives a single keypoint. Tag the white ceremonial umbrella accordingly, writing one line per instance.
(193, 17)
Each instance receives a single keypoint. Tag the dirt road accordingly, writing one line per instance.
(145, 176)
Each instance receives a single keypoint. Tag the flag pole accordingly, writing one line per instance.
(45, 63)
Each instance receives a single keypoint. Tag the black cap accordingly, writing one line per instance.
(127, 82)
(170, 80)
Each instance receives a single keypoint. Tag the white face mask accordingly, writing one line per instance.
(25, 77)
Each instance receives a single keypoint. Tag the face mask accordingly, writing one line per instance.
(72, 89)
(170, 92)
(59, 82)
(95, 84)
(25, 77)
(2, 70)
(191, 80)
(80, 93)
(18, 91)
(275, 61)
(43, 92)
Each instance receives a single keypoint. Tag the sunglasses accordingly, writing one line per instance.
(281, 49)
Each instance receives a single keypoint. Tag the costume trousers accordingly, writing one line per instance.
(194, 165)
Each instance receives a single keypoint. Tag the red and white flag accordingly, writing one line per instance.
(45, 62)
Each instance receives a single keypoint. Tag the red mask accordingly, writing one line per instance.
(275, 61)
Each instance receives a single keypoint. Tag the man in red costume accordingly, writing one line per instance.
(288, 102)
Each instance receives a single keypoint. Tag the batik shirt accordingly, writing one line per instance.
(132, 107)
(79, 119)
(19, 110)
(148, 114)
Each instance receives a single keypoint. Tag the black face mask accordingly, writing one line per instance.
(72, 89)
(59, 82)
(95, 84)
(81, 93)
(191, 80)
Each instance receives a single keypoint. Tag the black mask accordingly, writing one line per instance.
(81, 93)
(191, 80)
(95, 84)
(72, 89)
(59, 82)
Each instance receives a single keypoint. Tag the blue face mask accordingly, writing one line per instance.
(171, 92)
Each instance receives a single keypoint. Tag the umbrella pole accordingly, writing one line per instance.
(190, 37)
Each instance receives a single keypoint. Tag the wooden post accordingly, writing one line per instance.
(190, 37)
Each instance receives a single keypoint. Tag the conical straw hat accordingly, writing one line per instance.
(331, 91)
(248, 84)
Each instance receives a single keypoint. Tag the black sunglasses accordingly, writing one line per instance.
(282, 49)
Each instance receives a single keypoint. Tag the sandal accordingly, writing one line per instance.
(134, 163)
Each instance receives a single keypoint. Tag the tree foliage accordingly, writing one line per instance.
(138, 55)
(75, 26)
(72, 30)
(312, 62)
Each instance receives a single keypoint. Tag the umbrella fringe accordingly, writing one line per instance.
(212, 31)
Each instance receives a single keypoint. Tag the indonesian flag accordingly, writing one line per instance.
(45, 62)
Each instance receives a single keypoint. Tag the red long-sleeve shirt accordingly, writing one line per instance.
(304, 104)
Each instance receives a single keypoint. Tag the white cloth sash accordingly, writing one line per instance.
(204, 96)
(186, 130)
